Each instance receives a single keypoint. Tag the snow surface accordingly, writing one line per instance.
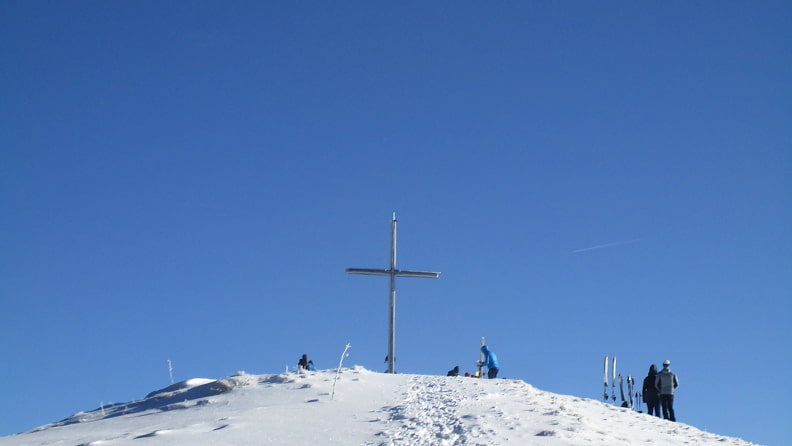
(367, 408)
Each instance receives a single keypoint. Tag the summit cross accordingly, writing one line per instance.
(393, 273)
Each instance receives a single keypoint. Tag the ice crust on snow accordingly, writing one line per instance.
(371, 409)
(181, 386)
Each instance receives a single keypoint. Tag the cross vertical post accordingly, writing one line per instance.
(393, 273)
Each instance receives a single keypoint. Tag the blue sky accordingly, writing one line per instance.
(187, 182)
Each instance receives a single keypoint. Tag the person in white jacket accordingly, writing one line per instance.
(665, 383)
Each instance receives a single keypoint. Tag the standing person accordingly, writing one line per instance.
(453, 372)
(665, 383)
(490, 361)
(649, 392)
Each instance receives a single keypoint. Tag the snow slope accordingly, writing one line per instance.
(367, 408)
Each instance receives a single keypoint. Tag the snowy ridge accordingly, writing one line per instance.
(371, 409)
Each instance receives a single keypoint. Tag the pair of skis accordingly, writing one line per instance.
(629, 401)
(630, 383)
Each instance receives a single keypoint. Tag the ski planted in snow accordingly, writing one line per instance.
(621, 391)
(613, 381)
(630, 384)
(481, 359)
(605, 376)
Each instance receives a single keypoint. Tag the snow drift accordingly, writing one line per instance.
(368, 409)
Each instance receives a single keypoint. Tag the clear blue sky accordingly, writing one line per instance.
(188, 181)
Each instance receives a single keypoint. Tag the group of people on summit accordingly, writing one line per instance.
(490, 361)
(658, 391)
(658, 387)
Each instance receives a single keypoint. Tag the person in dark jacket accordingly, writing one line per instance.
(665, 383)
(649, 392)
(453, 372)
(490, 361)
(304, 363)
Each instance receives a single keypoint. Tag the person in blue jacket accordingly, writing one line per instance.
(490, 361)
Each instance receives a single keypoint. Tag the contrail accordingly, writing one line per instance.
(606, 245)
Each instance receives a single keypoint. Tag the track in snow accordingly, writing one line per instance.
(429, 414)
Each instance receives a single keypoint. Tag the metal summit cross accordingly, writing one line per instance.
(393, 273)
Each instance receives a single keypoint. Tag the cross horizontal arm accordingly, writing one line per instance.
(397, 273)
(369, 272)
(429, 275)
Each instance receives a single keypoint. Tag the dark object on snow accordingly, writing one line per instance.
(453, 372)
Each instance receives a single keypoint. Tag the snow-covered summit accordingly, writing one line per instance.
(367, 408)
